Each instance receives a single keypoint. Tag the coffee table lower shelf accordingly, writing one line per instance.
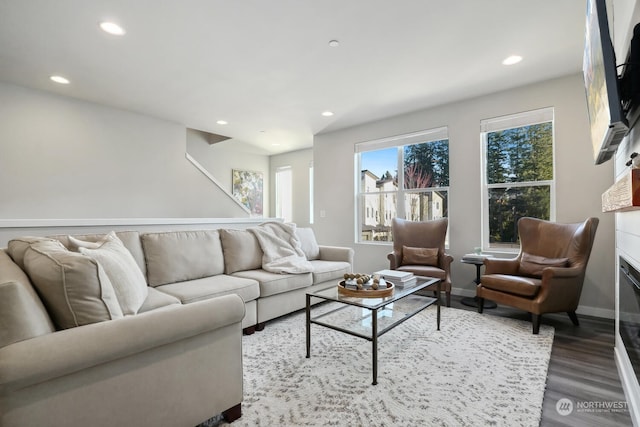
(370, 318)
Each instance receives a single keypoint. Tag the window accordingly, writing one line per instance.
(519, 174)
(284, 197)
(311, 192)
(419, 193)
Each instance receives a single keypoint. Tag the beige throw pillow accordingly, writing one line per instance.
(241, 249)
(121, 268)
(532, 265)
(308, 243)
(419, 256)
(17, 247)
(74, 288)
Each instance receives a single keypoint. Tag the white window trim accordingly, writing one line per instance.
(501, 123)
(430, 135)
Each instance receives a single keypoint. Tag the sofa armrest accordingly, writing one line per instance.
(336, 253)
(64, 352)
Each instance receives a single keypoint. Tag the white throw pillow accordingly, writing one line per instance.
(74, 288)
(121, 268)
(308, 243)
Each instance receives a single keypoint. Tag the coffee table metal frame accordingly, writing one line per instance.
(376, 306)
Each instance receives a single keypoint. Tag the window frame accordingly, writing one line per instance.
(398, 142)
(512, 121)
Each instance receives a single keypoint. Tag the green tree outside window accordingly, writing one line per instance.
(519, 166)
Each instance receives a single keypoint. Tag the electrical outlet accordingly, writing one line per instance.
(323, 213)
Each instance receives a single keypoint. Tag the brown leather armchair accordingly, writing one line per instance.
(418, 247)
(548, 273)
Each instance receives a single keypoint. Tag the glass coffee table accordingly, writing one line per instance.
(369, 318)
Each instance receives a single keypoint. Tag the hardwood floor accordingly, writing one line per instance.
(582, 368)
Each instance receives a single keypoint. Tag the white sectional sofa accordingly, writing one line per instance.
(77, 349)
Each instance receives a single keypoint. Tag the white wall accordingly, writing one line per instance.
(579, 184)
(65, 158)
(299, 161)
(221, 158)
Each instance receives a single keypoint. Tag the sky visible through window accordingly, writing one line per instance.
(380, 161)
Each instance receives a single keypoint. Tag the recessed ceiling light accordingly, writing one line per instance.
(275, 144)
(334, 43)
(112, 28)
(513, 59)
(327, 113)
(60, 79)
(222, 122)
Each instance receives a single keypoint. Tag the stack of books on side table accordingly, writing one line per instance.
(401, 279)
(476, 257)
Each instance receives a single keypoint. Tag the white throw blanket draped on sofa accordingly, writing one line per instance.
(281, 247)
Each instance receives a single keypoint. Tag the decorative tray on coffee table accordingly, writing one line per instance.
(364, 286)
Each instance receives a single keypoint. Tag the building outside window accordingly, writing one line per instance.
(418, 193)
(519, 177)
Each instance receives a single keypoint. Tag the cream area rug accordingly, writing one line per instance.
(478, 370)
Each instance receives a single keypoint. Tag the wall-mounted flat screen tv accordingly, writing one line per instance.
(606, 116)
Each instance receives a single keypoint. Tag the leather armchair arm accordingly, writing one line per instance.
(501, 266)
(394, 260)
(560, 289)
(549, 273)
(445, 262)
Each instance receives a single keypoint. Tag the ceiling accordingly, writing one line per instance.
(266, 67)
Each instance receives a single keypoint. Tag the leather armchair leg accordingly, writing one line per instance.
(535, 319)
(574, 317)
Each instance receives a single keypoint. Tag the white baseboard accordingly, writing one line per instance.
(582, 309)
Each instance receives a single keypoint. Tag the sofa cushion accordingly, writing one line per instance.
(532, 265)
(419, 256)
(130, 239)
(177, 256)
(74, 288)
(329, 270)
(241, 250)
(308, 242)
(22, 314)
(17, 247)
(211, 287)
(156, 299)
(517, 285)
(276, 283)
(123, 272)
